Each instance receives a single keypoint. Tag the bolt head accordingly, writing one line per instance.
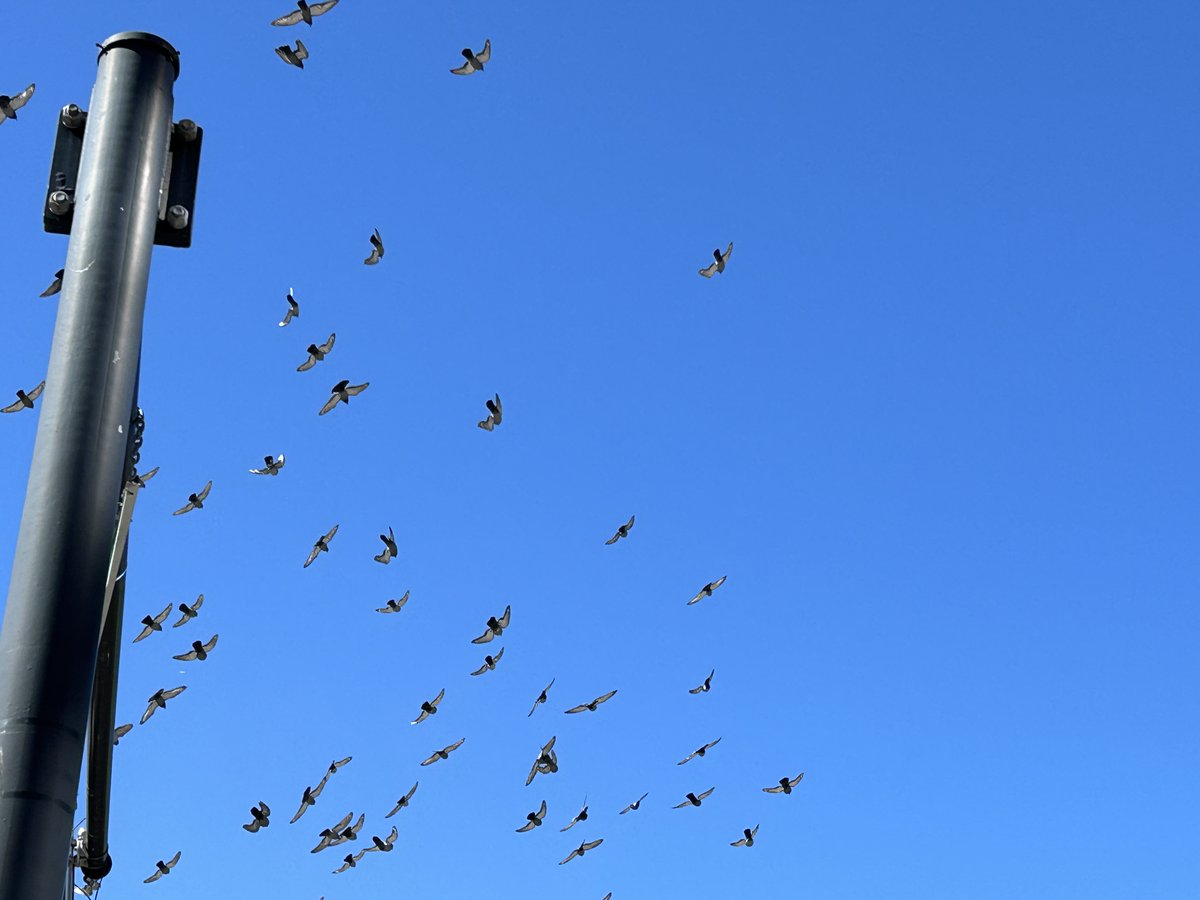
(59, 203)
(72, 116)
(177, 217)
(187, 129)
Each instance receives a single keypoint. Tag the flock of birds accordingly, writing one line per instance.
(347, 828)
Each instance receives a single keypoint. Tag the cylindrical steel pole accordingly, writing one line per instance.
(51, 628)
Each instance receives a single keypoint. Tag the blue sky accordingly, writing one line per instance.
(936, 423)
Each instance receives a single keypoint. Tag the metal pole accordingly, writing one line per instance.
(51, 631)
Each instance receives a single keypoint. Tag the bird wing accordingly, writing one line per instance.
(355, 389)
(303, 806)
(532, 772)
(329, 404)
(485, 638)
(162, 616)
(174, 692)
(319, 9)
(212, 642)
(188, 508)
(174, 859)
(187, 657)
(145, 633)
(682, 805)
(157, 875)
(485, 54)
(253, 826)
(18, 405)
(777, 789)
(454, 746)
(22, 98)
(712, 744)
(795, 781)
(697, 598)
(290, 19)
(152, 706)
(577, 709)
(612, 540)
(486, 424)
(431, 760)
(685, 759)
(203, 495)
(37, 391)
(741, 843)
(574, 853)
(312, 555)
(481, 669)
(706, 793)
(696, 690)
(728, 252)
(605, 697)
(592, 845)
(330, 533)
(504, 620)
(720, 581)
(395, 809)
(464, 69)
(285, 53)
(528, 826)
(328, 345)
(307, 364)
(291, 313)
(709, 271)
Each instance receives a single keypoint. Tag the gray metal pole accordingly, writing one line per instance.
(51, 629)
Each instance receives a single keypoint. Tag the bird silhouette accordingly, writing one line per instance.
(429, 708)
(376, 249)
(195, 501)
(591, 705)
(541, 697)
(705, 686)
(402, 802)
(703, 750)
(163, 868)
(295, 58)
(444, 753)
(495, 627)
(719, 265)
(153, 623)
(199, 651)
(707, 590)
(694, 799)
(394, 606)
(321, 546)
(622, 532)
(582, 849)
(495, 414)
(305, 12)
(474, 61)
(24, 400)
(187, 613)
(10, 105)
(748, 840)
(158, 700)
(316, 353)
(785, 785)
(343, 391)
(489, 663)
(260, 817)
(55, 285)
(271, 465)
(293, 305)
(535, 819)
(635, 805)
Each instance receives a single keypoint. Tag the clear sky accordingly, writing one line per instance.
(936, 422)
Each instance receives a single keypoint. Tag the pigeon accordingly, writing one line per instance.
(309, 798)
(260, 817)
(402, 802)
(495, 627)
(342, 391)
(120, 731)
(474, 62)
(444, 753)
(195, 501)
(535, 819)
(55, 285)
(376, 249)
(633, 807)
(384, 844)
(707, 590)
(293, 58)
(580, 816)
(272, 465)
(306, 12)
(199, 651)
(582, 849)
(10, 105)
(541, 697)
(140, 480)
(153, 624)
(429, 708)
(607, 896)
(546, 761)
(394, 606)
(694, 799)
(748, 840)
(719, 266)
(495, 414)
(489, 663)
(158, 700)
(293, 305)
(706, 686)
(349, 861)
(189, 612)
(316, 353)
(340, 833)
(389, 547)
(337, 764)
(163, 868)
(321, 546)
(785, 785)
(699, 752)
(591, 706)
(24, 400)
(623, 531)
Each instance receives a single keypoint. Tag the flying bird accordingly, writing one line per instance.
(189, 612)
(474, 61)
(321, 546)
(24, 400)
(541, 697)
(309, 798)
(633, 807)
(337, 764)
(582, 849)
(402, 802)
(163, 868)
(195, 501)
(489, 663)
(306, 12)
(272, 465)
(705, 686)
(785, 785)
(495, 414)
(389, 547)
(546, 761)
(55, 285)
(444, 753)
(535, 819)
(10, 105)
(622, 532)
(349, 861)
(429, 708)
(580, 816)
(699, 752)
(199, 651)
(707, 590)
(120, 731)
(394, 606)
(158, 700)
(153, 623)
(694, 799)
(293, 58)
(260, 817)
(340, 833)
(316, 353)
(591, 705)
(748, 840)
(383, 844)
(719, 266)
(343, 391)
(495, 627)
(376, 249)
(293, 305)
(140, 480)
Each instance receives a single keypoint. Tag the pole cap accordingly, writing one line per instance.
(141, 39)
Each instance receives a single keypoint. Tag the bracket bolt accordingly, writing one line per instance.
(177, 217)
(186, 129)
(60, 203)
(72, 116)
